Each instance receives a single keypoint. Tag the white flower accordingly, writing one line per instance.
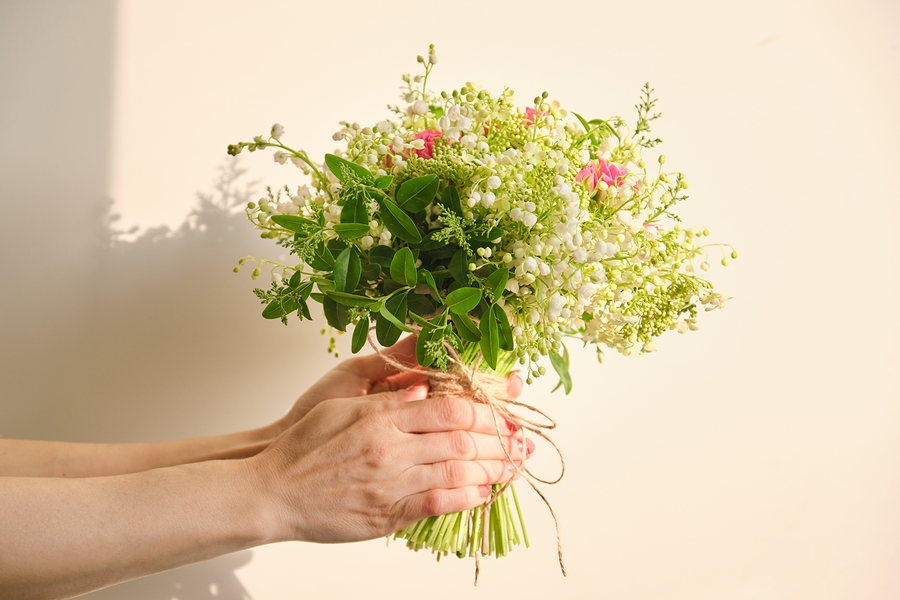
(366, 242)
(301, 198)
(464, 123)
(383, 126)
(277, 131)
(493, 182)
(280, 157)
(444, 123)
(453, 112)
(419, 107)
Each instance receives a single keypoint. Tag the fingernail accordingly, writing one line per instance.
(416, 392)
(530, 445)
(511, 426)
(484, 490)
(509, 466)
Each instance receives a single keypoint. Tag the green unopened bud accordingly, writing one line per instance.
(734, 254)
(725, 262)
(255, 273)
(662, 159)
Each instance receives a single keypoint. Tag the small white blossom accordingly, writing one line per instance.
(277, 131)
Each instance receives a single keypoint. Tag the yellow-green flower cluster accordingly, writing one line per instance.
(584, 226)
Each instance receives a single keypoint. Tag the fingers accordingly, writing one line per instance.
(454, 474)
(374, 368)
(448, 414)
(464, 445)
(399, 381)
(515, 385)
(440, 502)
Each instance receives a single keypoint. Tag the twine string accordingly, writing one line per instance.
(489, 389)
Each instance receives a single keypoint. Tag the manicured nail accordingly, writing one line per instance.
(416, 392)
(530, 446)
(511, 426)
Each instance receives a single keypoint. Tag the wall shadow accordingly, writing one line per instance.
(103, 339)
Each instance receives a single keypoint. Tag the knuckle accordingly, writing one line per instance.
(462, 445)
(377, 454)
(453, 412)
(436, 502)
(454, 473)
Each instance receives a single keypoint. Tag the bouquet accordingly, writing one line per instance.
(496, 233)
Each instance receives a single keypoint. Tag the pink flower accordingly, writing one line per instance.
(429, 136)
(532, 115)
(600, 170)
(427, 151)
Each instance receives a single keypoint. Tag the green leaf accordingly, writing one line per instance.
(294, 223)
(399, 223)
(385, 331)
(383, 255)
(360, 334)
(323, 259)
(350, 231)
(336, 165)
(415, 194)
(354, 211)
(459, 267)
(384, 182)
(450, 200)
(587, 128)
(561, 365)
(490, 339)
(466, 328)
(395, 320)
(351, 299)
(425, 324)
(304, 289)
(505, 332)
(403, 267)
(462, 300)
(335, 314)
(425, 276)
(425, 336)
(496, 283)
(303, 310)
(347, 270)
(279, 307)
(371, 271)
(296, 279)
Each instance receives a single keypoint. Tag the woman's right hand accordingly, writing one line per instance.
(361, 468)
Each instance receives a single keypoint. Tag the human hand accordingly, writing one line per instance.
(364, 375)
(360, 468)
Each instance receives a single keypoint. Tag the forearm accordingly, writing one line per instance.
(31, 458)
(63, 537)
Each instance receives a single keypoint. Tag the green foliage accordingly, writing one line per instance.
(560, 363)
(462, 300)
(414, 195)
(403, 267)
(347, 171)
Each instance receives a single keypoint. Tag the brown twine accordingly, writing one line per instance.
(492, 390)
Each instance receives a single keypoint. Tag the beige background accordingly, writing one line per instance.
(756, 458)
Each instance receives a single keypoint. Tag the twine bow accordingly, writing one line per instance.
(492, 390)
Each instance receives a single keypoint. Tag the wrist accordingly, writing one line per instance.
(269, 517)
